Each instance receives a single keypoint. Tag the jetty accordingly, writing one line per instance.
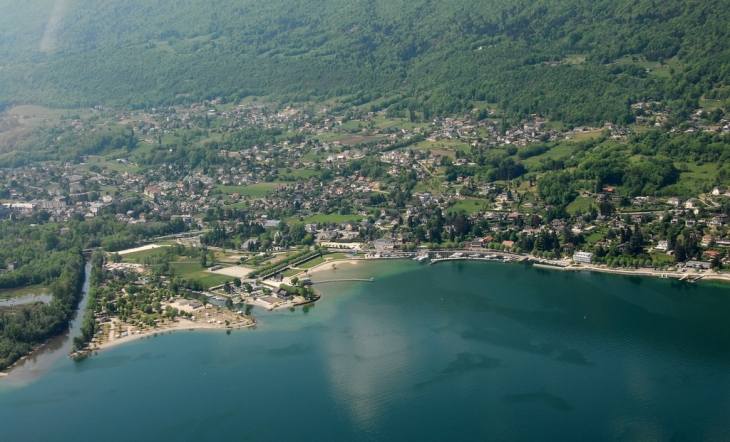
(342, 280)
(492, 258)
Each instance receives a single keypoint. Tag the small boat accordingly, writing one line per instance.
(421, 258)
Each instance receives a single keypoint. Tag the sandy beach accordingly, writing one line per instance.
(327, 265)
(214, 321)
(181, 324)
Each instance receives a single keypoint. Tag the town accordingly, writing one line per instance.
(260, 179)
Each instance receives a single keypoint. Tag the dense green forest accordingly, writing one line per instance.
(579, 62)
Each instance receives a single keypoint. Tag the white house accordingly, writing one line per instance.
(586, 257)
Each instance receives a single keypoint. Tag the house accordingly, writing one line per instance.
(691, 204)
(281, 293)
(152, 192)
(508, 244)
(718, 190)
(477, 242)
(249, 244)
(310, 228)
(711, 254)
(584, 257)
(674, 201)
(706, 240)
(662, 246)
(697, 265)
(383, 244)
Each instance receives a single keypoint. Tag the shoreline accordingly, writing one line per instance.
(180, 326)
(134, 333)
(186, 324)
(691, 276)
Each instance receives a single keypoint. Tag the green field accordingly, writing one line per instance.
(580, 203)
(40, 115)
(299, 173)
(136, 256)
(309, 264)
(258, 190)
(185, 268)
(695, 181)
(469, 205)
(210, 279)
(596, 235)
(662, 258)
(560, 150)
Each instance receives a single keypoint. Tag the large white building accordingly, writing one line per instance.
(586, 257)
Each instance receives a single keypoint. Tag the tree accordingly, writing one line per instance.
(297, 232)
(237, 282)
(204, 259)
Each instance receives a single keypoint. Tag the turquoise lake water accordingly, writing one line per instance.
(461, 350)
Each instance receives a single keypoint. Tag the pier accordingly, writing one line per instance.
(342, 280)
(471, 258)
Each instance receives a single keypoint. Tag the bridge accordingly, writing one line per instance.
(342, 280)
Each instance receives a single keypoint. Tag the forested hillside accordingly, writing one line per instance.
(571, 60)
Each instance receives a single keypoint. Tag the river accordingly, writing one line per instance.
(38, 363)
(462, 350)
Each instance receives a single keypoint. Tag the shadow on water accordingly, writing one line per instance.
(465, 362)
(540, 397)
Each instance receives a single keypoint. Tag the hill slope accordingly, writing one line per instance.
(569, 59)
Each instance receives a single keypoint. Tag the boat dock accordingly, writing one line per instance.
(492, 258)
(342, 280)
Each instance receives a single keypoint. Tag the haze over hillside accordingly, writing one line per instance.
(576, 61)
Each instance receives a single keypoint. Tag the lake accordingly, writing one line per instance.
(459, 350)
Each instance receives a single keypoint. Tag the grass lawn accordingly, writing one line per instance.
(662, 258)
(210, 279)
(580, 203)
(696, 179)
(312, 263)
(299, 173)
(38, 114)
(258, 190)
(582, 136)
(560, 150)
(134, 257)
(185, 268)
(111, 165)
(710, 104)
(469, 205)
(596, 236)
(291, 272)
